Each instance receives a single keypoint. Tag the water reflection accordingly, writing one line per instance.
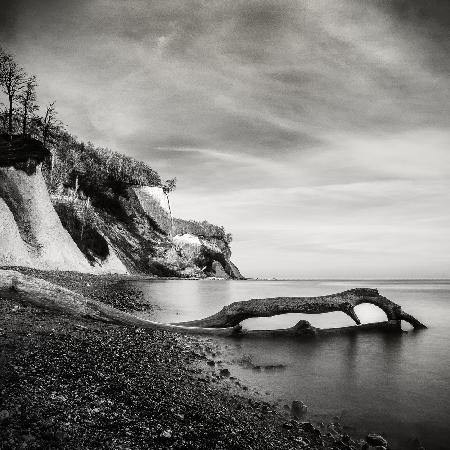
(395, 383)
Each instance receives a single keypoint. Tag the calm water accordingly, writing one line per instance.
(397, 384)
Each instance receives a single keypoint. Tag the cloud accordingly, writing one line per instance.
(319, 128)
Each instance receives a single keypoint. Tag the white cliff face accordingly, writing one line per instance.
(186, 239)
(153, 203)
(13, 250)
(157, 193)
(31, 233)
(195, 242)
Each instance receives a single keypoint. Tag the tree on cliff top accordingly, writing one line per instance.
(12, 81)
(28, 104)
(20, 91)
(102, 174)
(50, 125)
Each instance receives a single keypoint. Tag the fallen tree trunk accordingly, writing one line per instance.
(233, 314)
(41, 293)
(226, 322)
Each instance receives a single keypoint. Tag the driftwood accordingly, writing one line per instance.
(40, 293)
(233, 314)
(43, 294)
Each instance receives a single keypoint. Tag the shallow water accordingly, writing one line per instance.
(397, 384)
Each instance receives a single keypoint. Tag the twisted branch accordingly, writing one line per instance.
(233, 314)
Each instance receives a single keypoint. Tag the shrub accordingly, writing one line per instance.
(202, 229)
(100, 173)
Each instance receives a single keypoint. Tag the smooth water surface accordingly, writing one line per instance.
(394, 383)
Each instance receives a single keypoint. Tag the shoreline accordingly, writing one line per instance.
(69, 383)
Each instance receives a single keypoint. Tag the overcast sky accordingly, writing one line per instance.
(316, 131)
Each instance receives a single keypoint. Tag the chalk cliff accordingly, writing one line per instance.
(197, 249)
(66, 232)
(31, 233)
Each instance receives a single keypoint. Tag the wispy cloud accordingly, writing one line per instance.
(318, 132)
(234, 158)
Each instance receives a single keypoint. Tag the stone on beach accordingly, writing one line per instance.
(376, 440)
(298, 408)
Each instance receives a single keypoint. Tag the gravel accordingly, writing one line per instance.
(79, 384)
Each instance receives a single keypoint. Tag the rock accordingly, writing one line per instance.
(211, 363)
(307, 426)
(224, 372)
(298, 408)
(376, 440)
(301, 442)
(166, 434)
(61, 435)
(28, 437)
(4, 414)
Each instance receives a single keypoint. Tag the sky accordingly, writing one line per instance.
(316, 131)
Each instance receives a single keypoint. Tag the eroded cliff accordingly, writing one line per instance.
(132, 232)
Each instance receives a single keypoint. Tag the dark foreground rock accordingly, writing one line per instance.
(68, 384)
(376, 440)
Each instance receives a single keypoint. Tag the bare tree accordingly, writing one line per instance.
(50, 124)
(12, 81)
(168, 186)
(28, 103)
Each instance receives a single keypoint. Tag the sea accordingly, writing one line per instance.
(397, 384)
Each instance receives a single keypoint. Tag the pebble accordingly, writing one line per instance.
(376, 440)
(139, 386)
(4, 414)
(167, 434)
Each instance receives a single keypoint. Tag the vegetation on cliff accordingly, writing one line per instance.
(204, 229)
